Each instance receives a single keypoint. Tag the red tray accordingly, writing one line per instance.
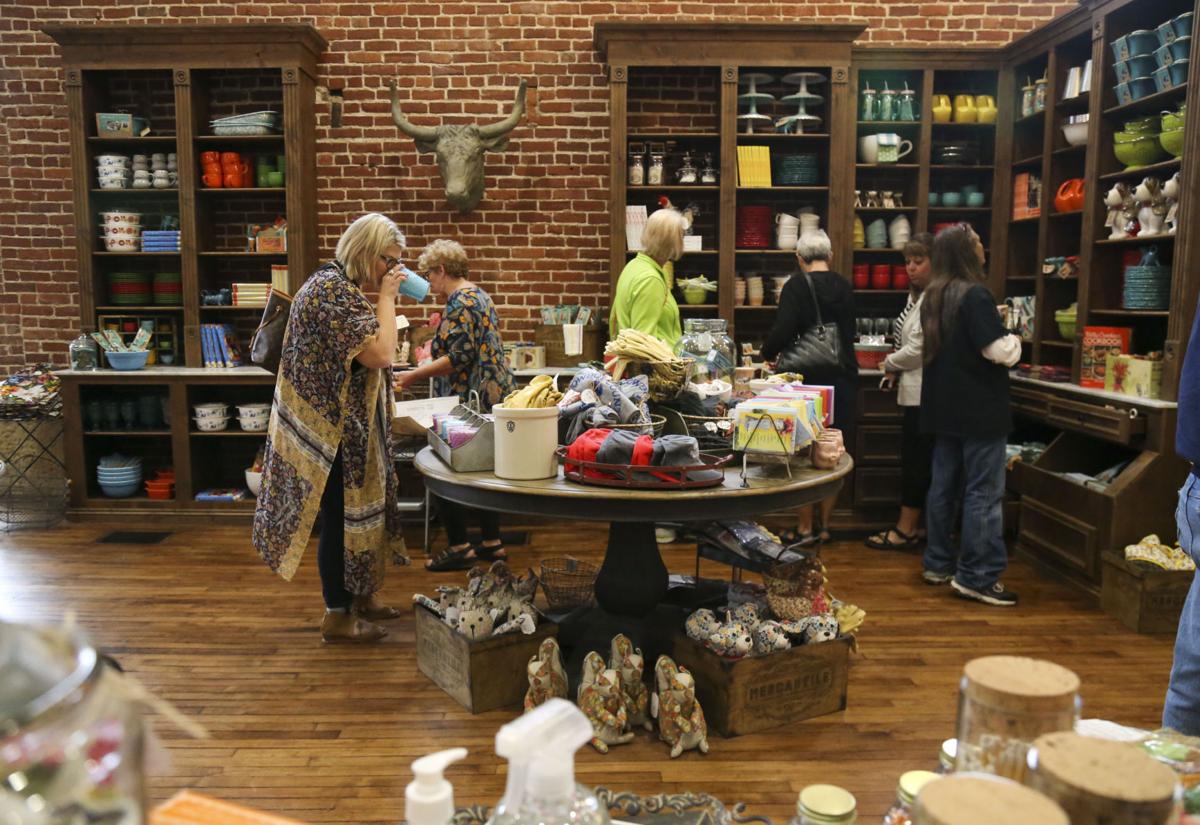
(633, 477)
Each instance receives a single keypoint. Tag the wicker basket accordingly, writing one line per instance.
(654, 428)
(569, 583)
(667, 378)
(792, 588)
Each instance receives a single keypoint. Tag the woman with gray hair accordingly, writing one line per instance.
(818, 295)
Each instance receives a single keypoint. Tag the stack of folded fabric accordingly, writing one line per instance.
(594, 399)
(250, 294)
(160, 240)
(628, 449)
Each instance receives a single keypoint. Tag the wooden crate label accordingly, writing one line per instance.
(1166, 601)
(792, 689)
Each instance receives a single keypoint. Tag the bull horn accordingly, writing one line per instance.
(412, 130)
(505, 126)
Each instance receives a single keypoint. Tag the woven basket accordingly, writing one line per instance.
(667, 378)
(792, 587)
(569, 583)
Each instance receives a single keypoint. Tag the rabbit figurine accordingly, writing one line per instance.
(601, 700)
(1171, 189)
(681, 721)
(1152, 210)
(630, 666)
(1122, 210)
(547, 677)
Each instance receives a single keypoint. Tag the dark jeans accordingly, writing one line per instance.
(1182, 708)
(454, 521)
(970, 470)
(331, 547)
(916, 460)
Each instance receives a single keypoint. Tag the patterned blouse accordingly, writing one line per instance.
(469, 336)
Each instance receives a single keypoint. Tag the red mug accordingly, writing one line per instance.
(210, 158)
(881, 276)
(230, 158)
(233, 179)
(862, 277)
(212, 180)
(899, 277)
(213, 169)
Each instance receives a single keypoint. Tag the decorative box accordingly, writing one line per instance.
(119, 124)
(1133, 375)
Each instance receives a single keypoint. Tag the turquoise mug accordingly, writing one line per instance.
(413, 286)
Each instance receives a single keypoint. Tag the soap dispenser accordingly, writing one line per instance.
(429, 798)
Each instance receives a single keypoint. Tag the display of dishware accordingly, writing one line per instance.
(127, 360)
(955, 153)
(976, 199)
(1180, 49)
(985, 109)
(803, 121)
(1076, 133)
(885, 147)
(1137, 149)
(876, 234)
(211, 425)
(1172, 141)
(211, 410)
(881, 277)
(952, 199)
(934, 198)
(1183, 25)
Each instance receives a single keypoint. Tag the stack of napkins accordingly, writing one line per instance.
(160, 240)
(250, 294)
(635, 222)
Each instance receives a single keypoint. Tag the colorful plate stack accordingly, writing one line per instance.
(797, 170)
(160, 240)
(755, 225)
(1147, 287)
(250, 294)
(168, 289)
(128, 289)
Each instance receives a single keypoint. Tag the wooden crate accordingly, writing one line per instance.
(758, 693)
(550, 336)
(1145, 601)
(480, 676)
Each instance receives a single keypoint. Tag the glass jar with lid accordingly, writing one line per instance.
(713, 352)
(910, 785)
(654, 173)
(637, 165)
(84, 353)
(687, 172)
(708, 172)
(946, 757)
(825, 805)
(960, 799)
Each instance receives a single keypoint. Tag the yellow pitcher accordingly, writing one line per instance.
(985, 108)
(941, 108)
(964, 109)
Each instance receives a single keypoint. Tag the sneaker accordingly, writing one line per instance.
(930, 577)
(994, 595)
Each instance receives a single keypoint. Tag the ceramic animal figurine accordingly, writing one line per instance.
(1152, 210)
(769, 637)
(547, 677)
(823, 628)
(494, 602)
(858, 202)
(1171, 190)
(701, 624)
(630, 666)
(601, 700)
(1122, 211)
(681, 721)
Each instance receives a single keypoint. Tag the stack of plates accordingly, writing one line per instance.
(797, 170)
(168, 289)
(1147, 287)
(755, 225)
(128, 289)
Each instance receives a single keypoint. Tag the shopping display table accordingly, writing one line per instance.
(632, 582)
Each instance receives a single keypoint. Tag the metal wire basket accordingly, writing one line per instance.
(712, 432)
(569, 583)
(654, 428)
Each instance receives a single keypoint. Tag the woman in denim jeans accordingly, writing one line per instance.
(965, 406)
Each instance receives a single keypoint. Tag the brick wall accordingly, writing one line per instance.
(540, 235)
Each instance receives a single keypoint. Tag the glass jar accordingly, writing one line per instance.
(959, 799)
(1027, 101)
(1099, 781)
(887, 104)
(1039, 94)
(708, 173)
(908, 105)
(687, 170)
(73, 739)
(947, 756)
(825, 805)
(911, 783)
(84, 353)
(637, 166)
(1006, 702)
(866, 104)
(713, 352)
(654, 174)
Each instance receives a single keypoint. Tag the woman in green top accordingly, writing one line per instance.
(643, 300)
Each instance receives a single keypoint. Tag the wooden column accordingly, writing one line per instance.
(618, 96)
(77, 131)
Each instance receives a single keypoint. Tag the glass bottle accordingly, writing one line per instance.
(866, 103)
(713, 352)
(687, 170)
(1039, 94)
(887, 104)
(1027, 100)
(908, 105)
(708, 174)
(825, 805)
(901, 812)
(637, 165)
(654, 174)
(84, 354)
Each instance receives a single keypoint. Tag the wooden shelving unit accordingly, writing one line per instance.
(180, 80)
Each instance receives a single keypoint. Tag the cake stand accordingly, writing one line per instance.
(752, 97)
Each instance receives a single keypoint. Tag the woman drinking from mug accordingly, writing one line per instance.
(902, 371)
(965, 406)
(468, 357)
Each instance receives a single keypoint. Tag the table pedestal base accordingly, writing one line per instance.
(592, 628)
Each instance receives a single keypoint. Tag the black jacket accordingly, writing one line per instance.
(797, 314)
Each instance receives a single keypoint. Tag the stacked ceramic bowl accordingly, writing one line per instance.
(119, 476)
(797, 170)
(877, 234)
(754, 290)
(777, 285)
(168, 289)
(122, 231)
(254, 417)
(739, 291)
(113, 172)
(212, 417)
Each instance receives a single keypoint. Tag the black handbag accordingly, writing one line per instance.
(817, 354)
(266, 346)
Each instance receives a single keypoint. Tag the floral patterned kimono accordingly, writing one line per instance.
(325, 400)
(469, 335)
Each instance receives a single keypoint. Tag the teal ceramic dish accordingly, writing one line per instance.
(1180, 48)
(1142, 66)
(975, 199)
(1141, 87)
(1179, 72)
(1166, 33)
(952, 199)
(1142, 41)
(1183, 25)
(934, 198)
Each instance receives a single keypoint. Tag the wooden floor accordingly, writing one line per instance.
(326, 734)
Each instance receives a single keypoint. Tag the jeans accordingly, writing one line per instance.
(454, 521)
(970, 469)
(331, 546)
(1181, 710)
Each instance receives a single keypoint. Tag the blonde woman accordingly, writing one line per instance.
(643, 299)
(468, 356)
(328, 444)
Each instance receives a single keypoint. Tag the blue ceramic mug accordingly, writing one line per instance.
(413, 285)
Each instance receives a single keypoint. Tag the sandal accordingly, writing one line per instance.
(451, 560)
(482, 552)
(794, 538)
(345, 628)
(883, 540)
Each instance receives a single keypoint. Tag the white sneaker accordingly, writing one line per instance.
(665, 535)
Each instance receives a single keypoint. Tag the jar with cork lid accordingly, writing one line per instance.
(978, 799)
(1100, 781)
(1006, 702)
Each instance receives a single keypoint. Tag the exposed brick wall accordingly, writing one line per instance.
(539, 236)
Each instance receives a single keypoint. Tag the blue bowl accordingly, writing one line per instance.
(127, 360)
(1139, 87)
(1141, 66)
(1183, 25)
(1166, 33)
(1120, 48)
(1162, 56)
(1181, 48)
(1124, 73)
(133, 478)
(1179, 72)
(120, 490)
(1142, 41)
(934, 197)
(1162, 78)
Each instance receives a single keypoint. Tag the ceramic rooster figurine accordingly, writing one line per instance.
(602, 702)
(547, 677)
(630, 665)
(680, 720)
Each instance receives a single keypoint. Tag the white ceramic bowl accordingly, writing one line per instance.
(120, 244)
(253, 409)
(1075, 133)
(112, 159)
(254, 482)
(122, 230)
(211, 425)
(254, 426)
(134, 218)
(212, 410)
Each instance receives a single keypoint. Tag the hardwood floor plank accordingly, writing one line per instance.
(325, 734)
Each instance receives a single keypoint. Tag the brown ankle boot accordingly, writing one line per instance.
(369, 607)
(348, 628)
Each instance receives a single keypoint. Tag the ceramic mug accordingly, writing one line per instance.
(886, 147)
(210, 158)
(230, 158)
(232, 179)
(212, 180)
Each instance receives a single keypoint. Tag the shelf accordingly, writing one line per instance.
(1073, 105)
(150, 190)
(708, 307)
(1133, 313)
(137, 254)
(888, 124)
(675, 135)
(1033, 118)
(234, 433)
(1061, 344)
(140, 500)
(1032, 278)
(673, 187)
(952, 125)
(203, 140)
(1070, 150)
(888, 251)
(1141, 171)
(1018, 221)
(1136, 241)
(243, 190)
(785, 138)
(887, 209)
(765, 251)
(243, 254)
(701, 252)
(1029, 161)
(960, 209)
(1151, 104)
(887, 166)
(130, 433)
(757, 308)
(957, 167)
(1074, 213)
(170, 308)
(783, 189)
(149, 140)
(231, 308)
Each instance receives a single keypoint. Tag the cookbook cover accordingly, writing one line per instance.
(1098, 344)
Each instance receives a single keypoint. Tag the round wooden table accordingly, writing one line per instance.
(632, 581)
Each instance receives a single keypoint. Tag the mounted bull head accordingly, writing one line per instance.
(460, 148)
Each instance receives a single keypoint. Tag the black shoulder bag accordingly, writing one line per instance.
(816, 354)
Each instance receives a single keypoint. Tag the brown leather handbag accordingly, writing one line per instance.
(266, 347)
